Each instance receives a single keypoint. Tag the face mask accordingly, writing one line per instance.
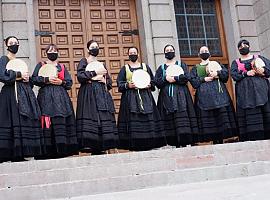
(52, 56)
(13, 48)
(204, 56)
(170, 55)
(244, 51)
(133, 58)
(94, 52)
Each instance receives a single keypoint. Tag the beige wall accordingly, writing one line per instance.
(17, 19)
(250, 20)
(261, 9)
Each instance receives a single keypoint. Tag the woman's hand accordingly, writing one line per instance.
(131, 85)
(25, 77)
(214, 74)
(208, 79)
(55, 81)
(251, 72)
(170, 79)
(260, 71)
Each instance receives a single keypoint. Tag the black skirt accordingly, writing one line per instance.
(180, 125)
(254, 123)
(139, 131)
(20, 135)
(216, 124)
(96, 125)
(60, 137)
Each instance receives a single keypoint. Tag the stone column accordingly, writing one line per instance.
(262, 19)
(246, 23)
(18, 20)
(157, 20)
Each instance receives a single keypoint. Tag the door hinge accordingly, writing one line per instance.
(43, 33)
(131, 32)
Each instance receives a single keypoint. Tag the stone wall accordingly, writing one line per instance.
(157, 20)
(17, 19)
(261, 10)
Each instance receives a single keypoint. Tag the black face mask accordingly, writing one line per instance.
(204, 56)
(94, 52)
(244, 51)
(170, 55)
(13, 48)
(133, 58)
(52, 56)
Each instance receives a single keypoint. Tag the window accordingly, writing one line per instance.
(197, 25)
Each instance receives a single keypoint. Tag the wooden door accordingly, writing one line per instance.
(70, 24)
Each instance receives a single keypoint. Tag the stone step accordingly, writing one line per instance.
(244, 188)
(256, 150)
(167, 163)
(132, 182)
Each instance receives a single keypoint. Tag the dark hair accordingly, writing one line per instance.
(51, 46)
(9, 37)
(168, 45)
(243, 41)
(133, 47)
(90, 42)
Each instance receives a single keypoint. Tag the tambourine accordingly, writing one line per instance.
(259, 63)
(141, 79)
(213, 66)
(95, 66)
(174, 70)
(17, 65)
(48, 70)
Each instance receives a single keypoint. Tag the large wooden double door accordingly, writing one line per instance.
(70, 24)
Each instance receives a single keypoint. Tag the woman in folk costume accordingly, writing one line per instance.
(250, 72)
(213, 105)
(174, 101)
(96, 125)
(139, 123)
(58, 120)
(20, 130)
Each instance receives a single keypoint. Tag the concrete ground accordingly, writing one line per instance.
(249, 188)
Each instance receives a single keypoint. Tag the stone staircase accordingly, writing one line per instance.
(89, 175)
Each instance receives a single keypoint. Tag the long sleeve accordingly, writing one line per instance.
(39, 80)
(183, 79)
(67, 83)
(122, 81)
(236, 75)
(152, 82)
(7, 76)
(108, 80)
(195, 80)
(82, 75)
(223, 74)
(159, 80)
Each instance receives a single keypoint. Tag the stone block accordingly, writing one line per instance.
(13, 12)
(18, 29)
(245, 13)
(247, 28)
(162, 29)
(160, 12)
